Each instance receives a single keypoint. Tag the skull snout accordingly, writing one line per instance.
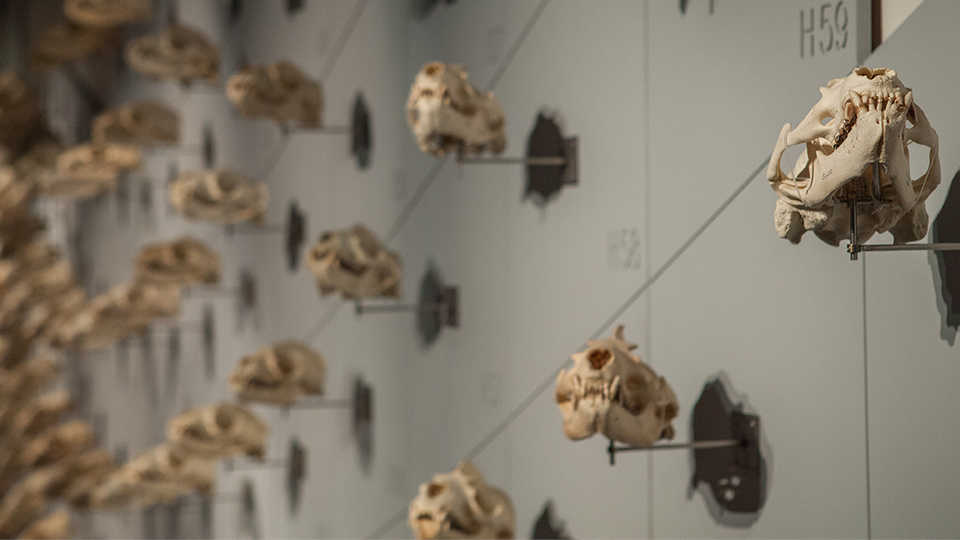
(599, 358)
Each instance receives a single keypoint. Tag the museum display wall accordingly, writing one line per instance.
(396, 322)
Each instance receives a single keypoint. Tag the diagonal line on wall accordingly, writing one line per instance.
(351, 25)
(430, 178)
(548, 381)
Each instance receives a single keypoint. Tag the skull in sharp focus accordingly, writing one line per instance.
(856, 141)
(446, 113)
(460, 504)
(611, 390)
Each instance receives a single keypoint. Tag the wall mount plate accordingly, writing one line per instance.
(296, 235)
(438, 306)
(946, 228)
(296, 473)
(247, 298)
(208, 147)
(209, 330)
(546, 140)
(361, 136)
(735, 476)
(362, 421)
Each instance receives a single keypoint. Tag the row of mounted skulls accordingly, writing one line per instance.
(861, 120)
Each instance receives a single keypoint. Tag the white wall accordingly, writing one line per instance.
(674, 112)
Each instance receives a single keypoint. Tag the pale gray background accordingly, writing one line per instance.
(674, 112)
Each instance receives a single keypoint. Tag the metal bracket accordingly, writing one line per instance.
(854, 247)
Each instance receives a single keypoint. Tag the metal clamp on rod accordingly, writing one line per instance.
(613, 448)
(854, 247)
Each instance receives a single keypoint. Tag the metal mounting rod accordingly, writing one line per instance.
(854, 247)
(557, 161)
(613, 449)
(939, 246)
(324, 404)
(256, 229)
(269, 464)
(201, 292)
(396, 308)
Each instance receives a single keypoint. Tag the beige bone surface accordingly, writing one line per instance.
(279, 374)
(177, 53)
(460, 504)
(280, 92)
(38, 165)
(166, 472)
(106, 13)
(67, 42)
(89, 169)
(610, 390)
(183, 261)
(142, 123)
(54, 526)
(219, 431)
(57, 443)
(866, 118)
(219, 196)
(19, 113)
(446, 113)
(354, 263)
(16, 192)
(40, 414)
(121, 311)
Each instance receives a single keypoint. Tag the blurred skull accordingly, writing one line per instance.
(280, 92)
(356, 264)
(183, 261)
(90, 169)
(279, 374)
(143, 122)
(219, 196)
(610, 390)
(178, 53)
(106, 13)
(460, 504)
(446, 113)
(219, 431)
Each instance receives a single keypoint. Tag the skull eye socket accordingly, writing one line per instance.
(434, 489)
(599, 358)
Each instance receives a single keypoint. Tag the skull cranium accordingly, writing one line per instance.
(355, 263)
(182, 262)
(856, 139)
(178, 53)
(279, 374)
(446, 113)
(460, 504)
(106, 13)
(219, 196)
(610, 390)
(89, 169)
(280, 91)
(144, 122)
(219, 431)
